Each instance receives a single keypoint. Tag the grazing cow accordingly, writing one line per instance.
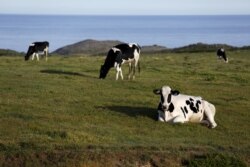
(221, 53)
(118, 55)
(179, 108)
(36, 49)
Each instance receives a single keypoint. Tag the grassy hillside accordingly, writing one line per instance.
(96, 47)
(58, 113)
(8, 52)
(88, 46)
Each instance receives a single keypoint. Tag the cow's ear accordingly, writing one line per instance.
(157, 91)
(175, 92)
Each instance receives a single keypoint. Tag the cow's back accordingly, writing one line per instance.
(189, 106)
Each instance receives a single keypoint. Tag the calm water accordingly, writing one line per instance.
(18, 31)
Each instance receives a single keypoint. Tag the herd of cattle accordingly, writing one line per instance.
(173, 106)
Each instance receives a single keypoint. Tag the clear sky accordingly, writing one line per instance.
(126, 7)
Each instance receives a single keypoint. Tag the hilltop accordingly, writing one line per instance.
(88, 46)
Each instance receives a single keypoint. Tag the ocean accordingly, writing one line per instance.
(18, 31)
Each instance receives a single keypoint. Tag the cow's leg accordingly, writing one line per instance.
(136, 60)
(119, 70)
(134, 71)
(33, 56)
(179, 119)
(129, 70)
(121, 73)
(37, 56)
(134, 67)
(117, 74)
(161, 116)
(205, 122)
(210, 113)
(46, 53)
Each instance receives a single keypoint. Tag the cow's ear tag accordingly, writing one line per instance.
(157, 91)
(175, 92)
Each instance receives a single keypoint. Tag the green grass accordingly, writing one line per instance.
(58, 113)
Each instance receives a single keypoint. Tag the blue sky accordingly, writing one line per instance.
(126, 7)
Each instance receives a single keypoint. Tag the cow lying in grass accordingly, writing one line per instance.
(179, 108)
(118, 55)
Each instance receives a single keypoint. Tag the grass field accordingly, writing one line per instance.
(58, 113)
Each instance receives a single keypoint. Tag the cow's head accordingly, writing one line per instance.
(166, 96)
(113, 58)
(103, 72)
(29, 52)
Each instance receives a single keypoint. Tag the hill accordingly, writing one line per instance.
(202, 47)
(95, 47)
(88, 46)
(4, 52)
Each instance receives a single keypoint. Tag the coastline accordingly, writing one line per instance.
(96, 47)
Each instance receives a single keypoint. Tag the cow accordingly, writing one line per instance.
(118, 55)
(221, 53)
(179, 108)
(36, 49)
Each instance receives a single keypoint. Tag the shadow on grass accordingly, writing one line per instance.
(134, 111)
(62, 72)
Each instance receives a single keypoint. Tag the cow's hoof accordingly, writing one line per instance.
(213, 126)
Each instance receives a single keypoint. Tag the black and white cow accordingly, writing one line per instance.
(221, 53)
(36, 49)
(179, 108)
(118, 55)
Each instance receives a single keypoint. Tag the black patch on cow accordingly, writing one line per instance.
(162, 98)
(185, 108)
(183, 112)
(171, 107)
(194, 106)
(160, 107)
(198, 105)
(169, 98)
(175, 92)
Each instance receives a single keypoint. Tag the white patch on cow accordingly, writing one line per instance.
(136, 55)
(127, 61)
(131, 44)
(222, 50)
(116, 49)
(32, 44)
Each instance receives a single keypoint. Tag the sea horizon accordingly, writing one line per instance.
(17, 31)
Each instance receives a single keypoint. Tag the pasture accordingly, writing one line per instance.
(58, 113)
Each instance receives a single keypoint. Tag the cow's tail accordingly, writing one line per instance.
(139, 67)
